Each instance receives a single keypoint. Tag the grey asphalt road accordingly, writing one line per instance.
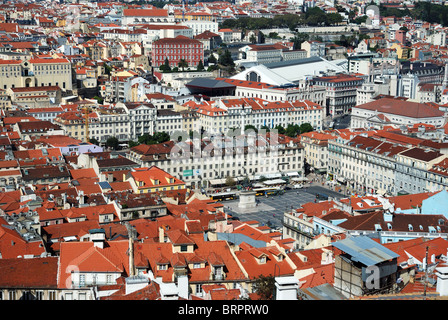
(342, 122)
(270, 210)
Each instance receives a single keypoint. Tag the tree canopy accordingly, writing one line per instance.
(314, 16)
(158, 137)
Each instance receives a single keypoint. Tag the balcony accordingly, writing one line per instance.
(300, 231)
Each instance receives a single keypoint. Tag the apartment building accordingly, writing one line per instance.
(137, 16)
(74, 123)
(111, 123)
(412, 168)
(365, 164)
(341, 92)
(34, 97)
(252, 88)
(204, 162)
(218, 116)
(168, 121)
(391, 111)
(313, 48)
(176, 49)
(141, 117)
(315, 145)
(36, 72)
(122, 88)
(200, 26)
(153, 179)
(159, 31)
(261, 53)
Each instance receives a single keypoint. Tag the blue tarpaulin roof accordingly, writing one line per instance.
(365, 250)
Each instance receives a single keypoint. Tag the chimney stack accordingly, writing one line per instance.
(162, 234)
(98, 237)
(131, 236)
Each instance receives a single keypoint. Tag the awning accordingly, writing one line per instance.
(217, 181)
(274, 182)
(257, 185)
(291, 174)
(273, 175)
(299, 179)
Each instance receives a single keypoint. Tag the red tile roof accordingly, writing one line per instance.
(145, 13)
(16, 273)
(403, 108)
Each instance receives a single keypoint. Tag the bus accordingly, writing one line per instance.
(268, 191)
(222, 196)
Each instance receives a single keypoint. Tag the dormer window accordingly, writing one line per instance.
(162, 266)
(389, 226)
(262, 260)
(410, 227)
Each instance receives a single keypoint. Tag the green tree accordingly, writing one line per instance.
(306, 127)
(165, 67)
(107, 69)
(230, 181)
(112, 142)
(212, 59)
(250, 127)
(292, 130)
(98, 99)
(200, 66)
(253, 39)
(161, 137)
(334, 18)
(226, 59)
(280, 129)
(158, 137)
(299, 38)
(264, 286)
(94, 141)
(183, 64)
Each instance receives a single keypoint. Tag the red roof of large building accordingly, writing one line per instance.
(145, 13)
(402, 108)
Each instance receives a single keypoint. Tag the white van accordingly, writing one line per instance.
(298, 186)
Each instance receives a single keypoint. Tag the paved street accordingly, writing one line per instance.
(270, 210)
(342, 122)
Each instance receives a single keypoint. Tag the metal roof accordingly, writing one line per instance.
(365, 250)
(209, 83)
(323, 292)
(105, 185)
(238, 238)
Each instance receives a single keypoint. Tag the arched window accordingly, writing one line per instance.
(253, 76)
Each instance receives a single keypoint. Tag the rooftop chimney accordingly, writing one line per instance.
(162, 234)
(98, 237)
